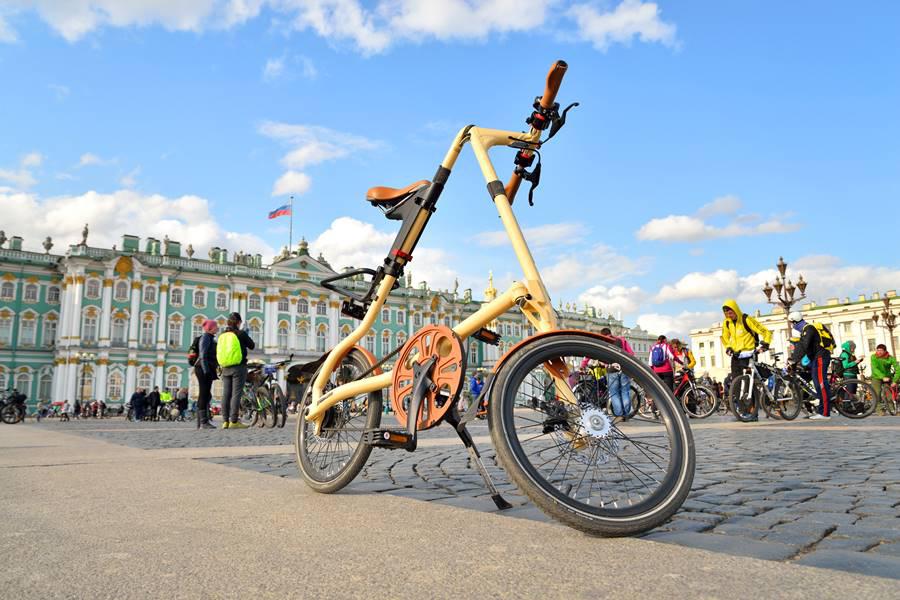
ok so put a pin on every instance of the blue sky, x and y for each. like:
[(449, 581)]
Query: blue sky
[(711, 138)]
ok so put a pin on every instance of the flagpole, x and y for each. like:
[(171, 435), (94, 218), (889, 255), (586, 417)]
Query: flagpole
[(291, 227)]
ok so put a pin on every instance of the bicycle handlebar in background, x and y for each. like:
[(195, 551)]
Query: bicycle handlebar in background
[(551, 88)]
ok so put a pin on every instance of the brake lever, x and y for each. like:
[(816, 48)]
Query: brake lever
[(558, 123)]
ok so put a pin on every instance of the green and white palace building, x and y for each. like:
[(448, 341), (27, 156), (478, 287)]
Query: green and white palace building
[(99, 323)]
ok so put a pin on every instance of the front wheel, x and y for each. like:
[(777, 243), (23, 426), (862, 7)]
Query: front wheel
[(699, 402), (332, 458), (740, 398), (280, 403), (9, 414), (575, 460), (854, 399), (787, 399)]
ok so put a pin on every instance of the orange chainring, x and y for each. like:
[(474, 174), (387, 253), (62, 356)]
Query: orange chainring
[(448, 375)]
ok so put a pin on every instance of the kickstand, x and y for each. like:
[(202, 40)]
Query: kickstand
[(452, 418)]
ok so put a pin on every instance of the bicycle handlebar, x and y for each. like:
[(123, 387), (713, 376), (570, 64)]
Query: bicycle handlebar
[(551, 88)]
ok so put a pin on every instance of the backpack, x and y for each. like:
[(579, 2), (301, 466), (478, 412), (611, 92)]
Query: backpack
[(658, 356), (750, 331), (194, 351), (826, 340), (228, 350)]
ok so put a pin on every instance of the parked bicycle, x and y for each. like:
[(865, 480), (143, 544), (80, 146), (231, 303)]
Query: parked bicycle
[(12, 407), (852, 398), (264, 402), (890, 397), (762, 385), (698, 401), (567, 455)]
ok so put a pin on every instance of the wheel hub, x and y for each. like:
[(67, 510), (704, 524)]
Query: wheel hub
[(596, 423)]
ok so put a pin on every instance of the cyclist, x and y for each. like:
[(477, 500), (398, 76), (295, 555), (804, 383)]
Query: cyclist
[(849, 364), (661, 358), (817, 344), (687, 358), (884, 366), (741, 335)]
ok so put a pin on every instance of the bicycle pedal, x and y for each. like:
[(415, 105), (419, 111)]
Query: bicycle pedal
[(390, 438)]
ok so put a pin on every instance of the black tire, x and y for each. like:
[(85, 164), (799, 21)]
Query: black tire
[(787, 399), (854, 405), (887, 397), (324, 464), (740, 398), (280, 403), (248, 412), (594, 440), (9, 414), (704, 401)]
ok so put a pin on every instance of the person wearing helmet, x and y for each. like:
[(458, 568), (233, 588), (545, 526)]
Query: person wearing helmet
[(816, 343)]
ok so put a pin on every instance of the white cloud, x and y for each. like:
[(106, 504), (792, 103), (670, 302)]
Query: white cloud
[(274, 69), (292, 182), (630, 19), (22, 177), (600, 265), (615, 300), (723, 205), (89, 159), (719, 284), (32, 159), (678, 325), (681, 228), (349, 242), (188, 219), (543, 235), (312, 144), (370, 27), (130, 179)]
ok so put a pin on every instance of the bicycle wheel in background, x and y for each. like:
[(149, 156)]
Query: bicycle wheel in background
[(740, 398), (280, 403), (332, 458), (786, 399), (703, 400), (9, 414), (248, 412), (854, 398), (268, 416), (574, 460), (890, 401), (637, 399)]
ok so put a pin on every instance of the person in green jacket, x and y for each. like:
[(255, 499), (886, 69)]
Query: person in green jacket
[(884, 366), (849, 361)]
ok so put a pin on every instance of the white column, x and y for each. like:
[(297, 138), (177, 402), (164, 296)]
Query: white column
[(292, 334), (333, 322), (65, 314), (130, 378), (72, 392), (270, 320), (77, 297), (134, 322), (100, 378), (162, 326), (59, 381), (158, 374), (106, 309)]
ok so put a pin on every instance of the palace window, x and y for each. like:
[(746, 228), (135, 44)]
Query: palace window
[(23, 383), (199, 298), (173, 380), (7, 291), (27, 330), (321, 339), (53, 294), (302, 336), (417, 320), (148, 325), (345, 331), (92, 288), (370, 342), (175, 331), (176, 297), (473, 353), (385, 315), (254, 303), (50, 332), (89, 329), (86, 384), (303, 306), (401, 339), (256, 333), (45, 387), (321, 307), (145, 379), (432, 319), (31, 292), (150, 294), (385, 341), (196, 329), (2, 380), (121, 291), (221, 301), (119, 331), (284, 305), (446, 321), (114, 388), (401, 317), (283, 337), (5, 331)]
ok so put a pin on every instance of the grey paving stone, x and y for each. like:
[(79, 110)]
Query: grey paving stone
[(687, 525), (888, 549), (873, 533), (795, 538), (886, 522), (741, 531), (729, 545), (829, 518), (851, 544), (866, 563)]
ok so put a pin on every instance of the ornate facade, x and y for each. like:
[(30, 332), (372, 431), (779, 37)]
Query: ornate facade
[(98, 323)]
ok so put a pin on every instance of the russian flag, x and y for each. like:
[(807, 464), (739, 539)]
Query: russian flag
[(281, 211)]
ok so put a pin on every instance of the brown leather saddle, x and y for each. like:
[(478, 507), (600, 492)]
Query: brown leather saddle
[(388, 198)]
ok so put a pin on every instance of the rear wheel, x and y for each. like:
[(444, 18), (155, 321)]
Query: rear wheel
[(699, 402), (787, 400), (267, 407), (9, 414), (574, 460), (280, 403), (249, 413), (890, 401), (331, 459), (855, 399)]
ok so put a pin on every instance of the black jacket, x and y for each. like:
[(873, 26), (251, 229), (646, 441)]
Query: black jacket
[(153, 398), (809, 345), (206, 359)]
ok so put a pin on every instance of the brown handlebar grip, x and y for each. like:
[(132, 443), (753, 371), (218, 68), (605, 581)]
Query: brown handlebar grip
[(554, 80)]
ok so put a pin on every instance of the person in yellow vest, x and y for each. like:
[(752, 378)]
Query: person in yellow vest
[(231, 354), (816, 343), (683, 352)]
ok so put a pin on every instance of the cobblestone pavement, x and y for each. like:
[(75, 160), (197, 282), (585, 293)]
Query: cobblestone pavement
[(825, 495)]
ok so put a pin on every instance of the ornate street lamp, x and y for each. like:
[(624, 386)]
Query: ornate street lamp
[(84, 358), (888, 320), (786, 292)]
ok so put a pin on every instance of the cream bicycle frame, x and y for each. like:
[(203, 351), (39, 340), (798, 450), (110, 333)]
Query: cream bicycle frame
[(529, 295)]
